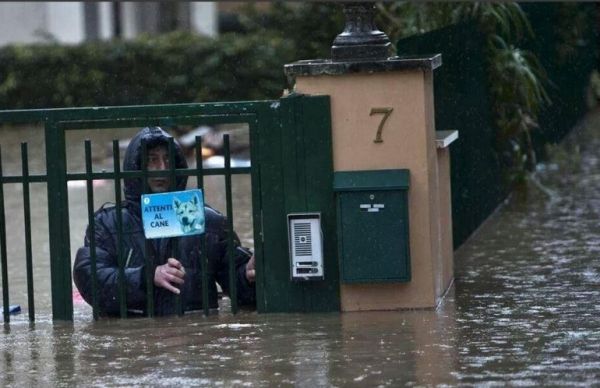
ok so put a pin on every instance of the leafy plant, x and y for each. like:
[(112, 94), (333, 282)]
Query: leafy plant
[(311, 26), (517, 80), (519, 94), (571, 29)]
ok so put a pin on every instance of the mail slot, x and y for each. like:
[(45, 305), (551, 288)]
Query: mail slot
[(373, 225)]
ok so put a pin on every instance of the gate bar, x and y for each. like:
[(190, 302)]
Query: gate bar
[(119, 209), (27, 220), (5, 300), (174, 241), (91, 227), (228, 199), (203, 253), (149, 260)]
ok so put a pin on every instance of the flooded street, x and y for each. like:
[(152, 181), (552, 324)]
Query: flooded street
[(523, 309)]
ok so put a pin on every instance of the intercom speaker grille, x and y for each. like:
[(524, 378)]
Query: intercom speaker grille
[(302, 239)]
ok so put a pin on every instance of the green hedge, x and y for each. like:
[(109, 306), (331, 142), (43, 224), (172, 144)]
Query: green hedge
[(174, 68)]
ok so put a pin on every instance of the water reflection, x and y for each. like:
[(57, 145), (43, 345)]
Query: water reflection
[(527, 285), (387, 348), (522, 312)]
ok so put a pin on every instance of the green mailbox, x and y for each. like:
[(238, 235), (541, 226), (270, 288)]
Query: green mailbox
[(373, 225)]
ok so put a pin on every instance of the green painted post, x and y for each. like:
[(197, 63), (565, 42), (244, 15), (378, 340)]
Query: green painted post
[(58, 223), (296, 175), (273, 284), (294, 185), (264, 115), (315, 118)]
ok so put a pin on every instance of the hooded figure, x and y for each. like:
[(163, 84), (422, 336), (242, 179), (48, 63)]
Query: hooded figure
[(142, 269)]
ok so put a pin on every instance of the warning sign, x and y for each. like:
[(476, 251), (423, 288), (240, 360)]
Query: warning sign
[(173, 214)]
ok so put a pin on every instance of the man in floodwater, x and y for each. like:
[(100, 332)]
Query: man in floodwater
[(173, 273)]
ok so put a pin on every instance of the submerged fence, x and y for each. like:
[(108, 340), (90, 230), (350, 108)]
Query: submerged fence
[(57, 177), (25, 179), (291, 172)]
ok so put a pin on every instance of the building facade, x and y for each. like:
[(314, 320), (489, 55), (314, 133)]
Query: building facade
[(76, 22)]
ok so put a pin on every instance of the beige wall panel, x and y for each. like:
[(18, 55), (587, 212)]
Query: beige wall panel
[(434, 199), (408, 142), (446, 246), (392, 296), (352, 97)]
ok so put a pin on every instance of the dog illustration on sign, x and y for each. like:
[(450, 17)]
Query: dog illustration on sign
[(188, 214)]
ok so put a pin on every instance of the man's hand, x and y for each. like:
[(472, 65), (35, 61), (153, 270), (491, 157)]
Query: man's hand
[(168, 274), (250, 271)]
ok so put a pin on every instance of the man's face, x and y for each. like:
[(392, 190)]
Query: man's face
[(158, 159)]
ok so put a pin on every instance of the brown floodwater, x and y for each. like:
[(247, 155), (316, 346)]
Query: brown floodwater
[(523, 309)]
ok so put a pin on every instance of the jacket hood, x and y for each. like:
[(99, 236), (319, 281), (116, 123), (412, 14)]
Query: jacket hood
[(154, 136)]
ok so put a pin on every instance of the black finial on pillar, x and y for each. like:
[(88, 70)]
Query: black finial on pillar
[(360, 48), (360, 40)]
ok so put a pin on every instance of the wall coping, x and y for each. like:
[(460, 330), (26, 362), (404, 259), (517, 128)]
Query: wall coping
[(312, 67)]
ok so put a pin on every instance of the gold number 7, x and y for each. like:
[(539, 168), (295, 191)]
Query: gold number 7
[(386, 113)]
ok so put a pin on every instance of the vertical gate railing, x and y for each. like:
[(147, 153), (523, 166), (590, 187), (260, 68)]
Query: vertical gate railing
[(171, 174), (57, 122), (25, 180), (3, 250)]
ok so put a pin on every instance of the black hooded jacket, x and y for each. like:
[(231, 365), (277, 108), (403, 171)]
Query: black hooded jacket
[(185, 249)]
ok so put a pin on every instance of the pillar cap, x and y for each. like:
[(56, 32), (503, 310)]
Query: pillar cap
[(313, 67)]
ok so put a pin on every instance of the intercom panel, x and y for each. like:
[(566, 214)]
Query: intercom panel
[(306, 246)]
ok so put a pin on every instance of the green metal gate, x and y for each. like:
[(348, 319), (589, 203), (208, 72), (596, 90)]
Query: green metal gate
[(291, 159)]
